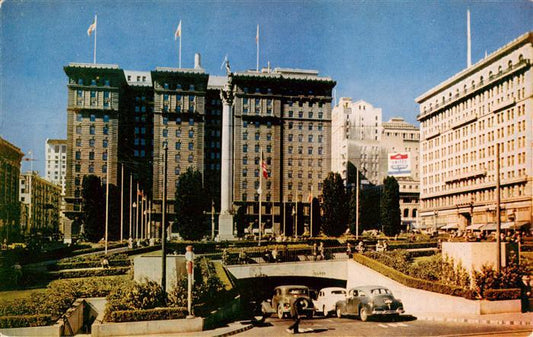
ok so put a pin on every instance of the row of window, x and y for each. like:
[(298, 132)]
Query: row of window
[(178, 133), (309, 150), (178, 86), (310, 126), (310, 114), (90, 168), (94, 82), (92, 118), (257, 148), (92, 142), (91, 155), (310, 138)]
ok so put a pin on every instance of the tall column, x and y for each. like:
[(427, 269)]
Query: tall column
[(225, 220)]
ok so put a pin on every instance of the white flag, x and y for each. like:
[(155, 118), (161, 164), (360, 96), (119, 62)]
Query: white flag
[(178, 32), (92, 27)]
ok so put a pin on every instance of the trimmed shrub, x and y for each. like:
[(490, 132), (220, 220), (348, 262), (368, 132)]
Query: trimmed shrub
[(135, 296), (411, 281), (89, 264), (146, 315), (62, 274), (25, 321), (502, 294)]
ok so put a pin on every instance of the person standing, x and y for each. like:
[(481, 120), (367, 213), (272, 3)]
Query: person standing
[(321, 251), (525, 293)]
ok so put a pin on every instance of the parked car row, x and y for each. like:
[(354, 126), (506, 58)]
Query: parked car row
[(363, 301)]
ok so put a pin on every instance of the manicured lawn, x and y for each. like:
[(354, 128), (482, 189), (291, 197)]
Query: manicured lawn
[(19, 294)]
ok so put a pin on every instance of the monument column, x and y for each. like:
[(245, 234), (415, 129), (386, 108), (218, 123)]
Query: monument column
[(225, 219)]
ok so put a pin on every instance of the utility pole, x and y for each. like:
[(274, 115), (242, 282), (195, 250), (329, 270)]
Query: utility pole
[(164, 223), (498, 220)]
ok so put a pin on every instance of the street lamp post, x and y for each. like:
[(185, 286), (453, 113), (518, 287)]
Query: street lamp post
[(134, 206), (164, 222)]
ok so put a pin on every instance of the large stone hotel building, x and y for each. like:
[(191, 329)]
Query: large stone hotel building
[(124, 118), (463, 120)]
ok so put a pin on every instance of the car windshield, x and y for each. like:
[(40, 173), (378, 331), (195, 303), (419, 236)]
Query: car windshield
[(298, 291), (338, 292), (380, 291)]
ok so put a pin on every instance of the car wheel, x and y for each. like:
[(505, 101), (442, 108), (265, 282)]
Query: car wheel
[(363, 314), (338, 311), (280, 311), (324, 312)]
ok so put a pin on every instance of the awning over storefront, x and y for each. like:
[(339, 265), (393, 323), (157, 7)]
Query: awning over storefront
[(450, 226), (511, 225), (474, 227)]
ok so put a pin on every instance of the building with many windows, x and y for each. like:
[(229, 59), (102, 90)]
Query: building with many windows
[(132, 115), (10, 159), (41, 204), (360, 138), (56, 161), (473, 125)]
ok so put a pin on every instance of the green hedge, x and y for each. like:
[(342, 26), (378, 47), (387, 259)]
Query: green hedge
[(25, 321), (411, 281), (146, 315), (90, 272), (411, 245), (88, 264), (501, 294)]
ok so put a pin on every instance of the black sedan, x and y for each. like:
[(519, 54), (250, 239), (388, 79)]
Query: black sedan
[(369, 301)]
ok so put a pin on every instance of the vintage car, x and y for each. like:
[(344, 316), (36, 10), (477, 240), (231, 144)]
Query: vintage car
[(327, 298), (369, 301), (284, 299)]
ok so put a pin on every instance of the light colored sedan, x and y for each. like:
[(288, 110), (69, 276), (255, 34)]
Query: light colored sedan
[(327, 298)]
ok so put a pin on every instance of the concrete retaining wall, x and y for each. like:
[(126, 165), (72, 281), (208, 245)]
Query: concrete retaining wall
[(473, 255), (150, 267), (39, 331), (147, 327), (422, 301)]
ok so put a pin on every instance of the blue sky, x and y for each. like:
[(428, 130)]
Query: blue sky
[(385, 52)]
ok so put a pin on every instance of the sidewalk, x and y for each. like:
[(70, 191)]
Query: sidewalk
[(228, 330), (498, 319)]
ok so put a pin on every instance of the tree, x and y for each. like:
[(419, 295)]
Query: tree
[(390, 206), (370, 207), (93, 208), (335, 205), (191, 203)]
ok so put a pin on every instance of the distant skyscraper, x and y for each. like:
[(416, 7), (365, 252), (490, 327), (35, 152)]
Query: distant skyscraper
[(463, 121), (361, 138), (56, 162)]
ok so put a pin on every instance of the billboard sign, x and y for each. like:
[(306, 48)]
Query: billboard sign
[(399, 164)]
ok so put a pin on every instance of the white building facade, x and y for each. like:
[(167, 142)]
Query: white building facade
[(463, 120), (360, 137), (56, 162)]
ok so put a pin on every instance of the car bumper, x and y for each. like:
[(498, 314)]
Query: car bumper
[(388, 312)]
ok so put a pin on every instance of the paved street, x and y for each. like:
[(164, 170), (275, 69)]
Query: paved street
[(406, 326)]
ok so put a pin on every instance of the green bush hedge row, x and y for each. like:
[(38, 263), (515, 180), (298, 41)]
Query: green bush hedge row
[(62, 274), (88, 264), (146, 315), (411, 245), (411, 281), (501, 294), (25, 321)]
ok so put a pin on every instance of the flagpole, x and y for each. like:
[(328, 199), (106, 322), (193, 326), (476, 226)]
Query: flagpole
[(137, 215), (311, 215), (106, 200), (131, 206), (180, 53), (260, 192), (122, 203), (257, 45), (95, 31)]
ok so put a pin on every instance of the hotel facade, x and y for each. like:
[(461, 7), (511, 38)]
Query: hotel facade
[(463, 121), (120, 119)]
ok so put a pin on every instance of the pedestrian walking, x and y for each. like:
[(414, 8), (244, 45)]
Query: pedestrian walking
[(349, 250), (297, 306), (525, 293), (321, 251), (314, 251)]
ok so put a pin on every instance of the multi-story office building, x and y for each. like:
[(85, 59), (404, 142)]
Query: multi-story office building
[(401, 141), (41, 204), (10, 159), (356, 138), (56, 161), (464, 120), (362, 139), (285, 113)]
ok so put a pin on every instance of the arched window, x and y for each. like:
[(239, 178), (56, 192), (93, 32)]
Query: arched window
[(414, 213), (406, 213)]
